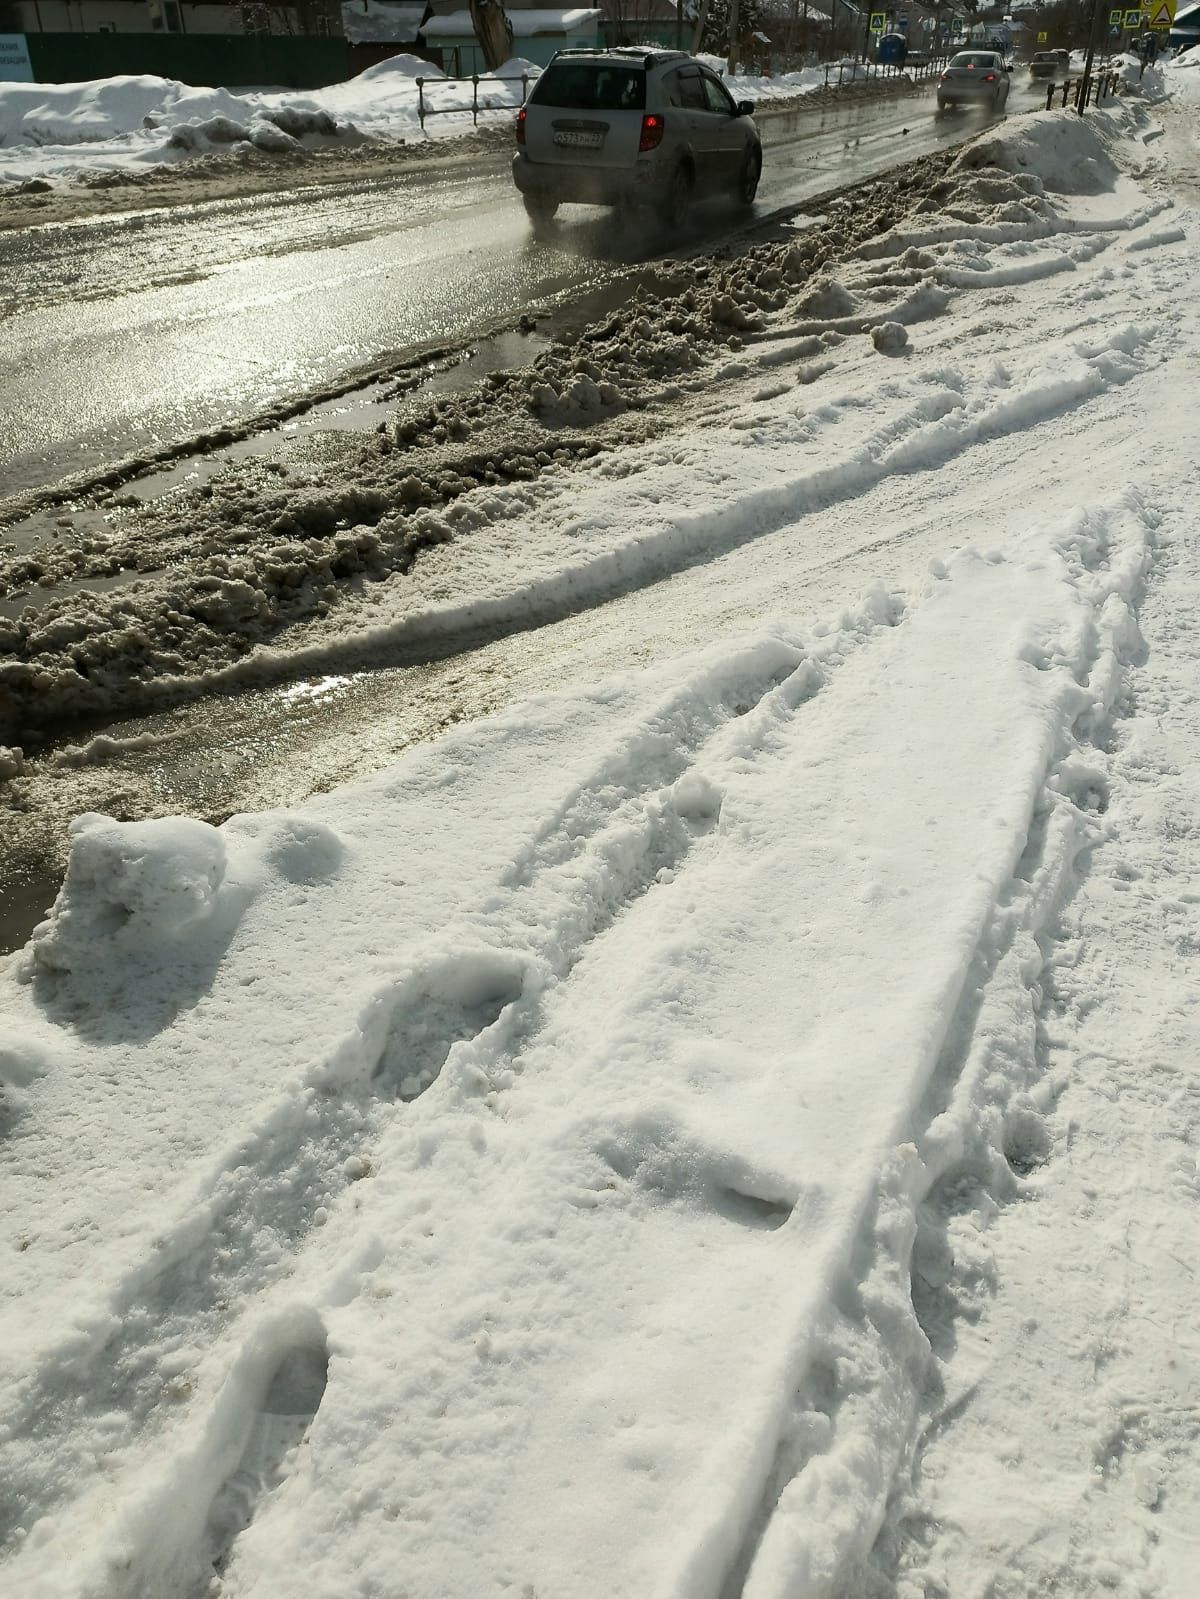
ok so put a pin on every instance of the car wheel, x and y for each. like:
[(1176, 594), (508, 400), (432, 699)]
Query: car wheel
[(751, 172), (539, 207), (679, 198)]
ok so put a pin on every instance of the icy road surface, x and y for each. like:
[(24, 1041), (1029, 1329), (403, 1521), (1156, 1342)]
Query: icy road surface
[(124, 333), (728, 1126)]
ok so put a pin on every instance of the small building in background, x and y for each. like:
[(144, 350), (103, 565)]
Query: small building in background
[(449, 36), (376, 30)]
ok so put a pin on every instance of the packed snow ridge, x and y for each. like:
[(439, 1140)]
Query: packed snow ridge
[(724, 1130)]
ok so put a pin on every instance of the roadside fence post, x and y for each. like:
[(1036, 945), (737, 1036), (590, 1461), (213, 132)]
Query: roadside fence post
[(421, 101), (475, 98), (1050, 94)]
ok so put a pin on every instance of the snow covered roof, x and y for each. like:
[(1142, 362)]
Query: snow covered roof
[(381, 21), (526, 24)]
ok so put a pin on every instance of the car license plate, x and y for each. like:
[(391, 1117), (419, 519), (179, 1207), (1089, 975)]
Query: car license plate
[(579, 141)]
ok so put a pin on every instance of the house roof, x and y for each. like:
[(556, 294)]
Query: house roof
[(526, 24)]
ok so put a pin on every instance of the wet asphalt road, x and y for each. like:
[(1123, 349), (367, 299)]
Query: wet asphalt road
[(125, 333)]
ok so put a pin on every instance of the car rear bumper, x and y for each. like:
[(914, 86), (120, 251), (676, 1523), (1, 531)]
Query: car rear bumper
[(567, 185), (967, 93)]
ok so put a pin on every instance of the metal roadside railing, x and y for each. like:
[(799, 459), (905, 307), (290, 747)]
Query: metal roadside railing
[(846, 75), (425, 110), (869, 74), (1084, 91)]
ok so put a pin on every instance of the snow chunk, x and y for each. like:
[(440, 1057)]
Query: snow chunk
[(129, 885), (889, 338), (12, 761)]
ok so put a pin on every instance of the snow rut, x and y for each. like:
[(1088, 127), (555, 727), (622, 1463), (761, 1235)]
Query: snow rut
[(882, 1381)]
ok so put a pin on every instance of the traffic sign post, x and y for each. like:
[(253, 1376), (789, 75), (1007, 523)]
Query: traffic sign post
[(1086, 85)]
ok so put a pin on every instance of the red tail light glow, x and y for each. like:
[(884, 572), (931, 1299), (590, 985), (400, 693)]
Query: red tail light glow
[(653, 129), (991, 78), (521, 126)]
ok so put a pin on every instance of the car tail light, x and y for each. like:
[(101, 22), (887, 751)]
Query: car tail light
[(991, 78), (653, 129), (521, 126)]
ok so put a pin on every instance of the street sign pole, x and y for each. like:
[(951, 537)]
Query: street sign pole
[(1085, 87)]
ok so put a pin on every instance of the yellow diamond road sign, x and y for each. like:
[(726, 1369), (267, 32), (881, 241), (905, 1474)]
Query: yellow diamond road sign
[(1161, 13)]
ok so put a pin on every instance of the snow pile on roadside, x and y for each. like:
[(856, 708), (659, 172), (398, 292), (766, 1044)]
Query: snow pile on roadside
[(49, 130), (637, 1133), (1061, 151)]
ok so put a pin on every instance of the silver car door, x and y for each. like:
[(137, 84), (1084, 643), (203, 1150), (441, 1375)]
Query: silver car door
[(728, 132)]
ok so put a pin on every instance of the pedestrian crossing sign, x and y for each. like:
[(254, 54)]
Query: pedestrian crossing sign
[(1116, 18), (878, 18), (1133, 19)]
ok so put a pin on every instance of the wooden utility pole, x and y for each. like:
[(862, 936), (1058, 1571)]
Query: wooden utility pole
[(732, 61)]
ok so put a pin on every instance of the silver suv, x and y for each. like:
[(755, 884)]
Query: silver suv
[(652, 128)]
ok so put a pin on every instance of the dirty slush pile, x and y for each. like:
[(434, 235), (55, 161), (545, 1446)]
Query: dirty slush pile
[(266, 551)]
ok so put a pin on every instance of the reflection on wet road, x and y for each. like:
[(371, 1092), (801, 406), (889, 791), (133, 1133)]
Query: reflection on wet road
[(127, 332)]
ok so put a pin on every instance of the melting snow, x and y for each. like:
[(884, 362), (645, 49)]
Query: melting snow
[(725, 1130)]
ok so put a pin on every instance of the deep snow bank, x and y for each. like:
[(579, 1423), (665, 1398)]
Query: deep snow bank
[(49, 130)]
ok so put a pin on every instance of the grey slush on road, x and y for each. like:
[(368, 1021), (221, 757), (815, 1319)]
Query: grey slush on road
[(973, 77), (633, 128)]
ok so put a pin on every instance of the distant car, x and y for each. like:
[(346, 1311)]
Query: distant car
[(917, 58), (973, 77), (1050, 63), (635, 127)]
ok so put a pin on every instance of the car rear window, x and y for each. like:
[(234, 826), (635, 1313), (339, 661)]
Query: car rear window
[(975, 58), (591, 86)]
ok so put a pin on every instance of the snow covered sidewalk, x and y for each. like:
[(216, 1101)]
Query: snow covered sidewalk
[(639, 1143)]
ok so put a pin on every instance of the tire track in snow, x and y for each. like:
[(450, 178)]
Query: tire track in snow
[(625, 826), (852, 1424)]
